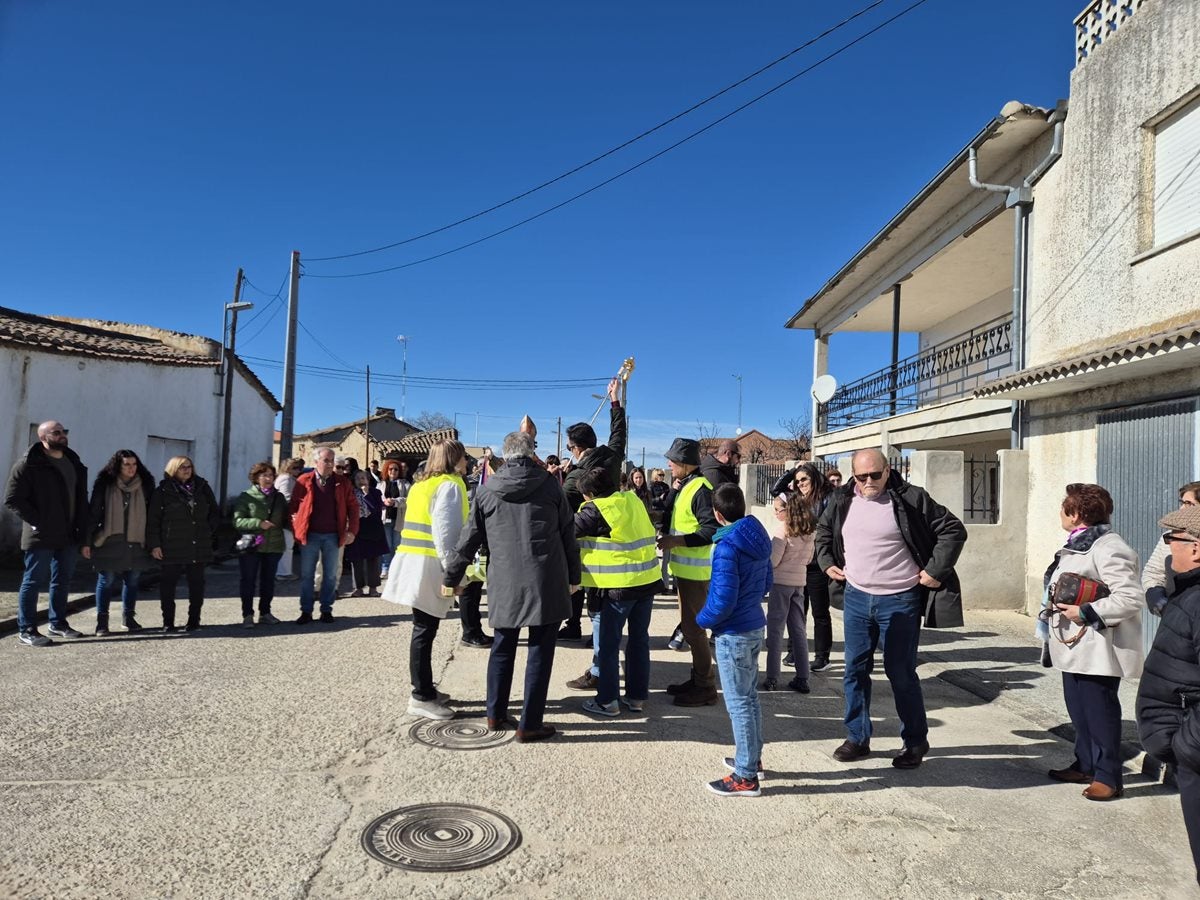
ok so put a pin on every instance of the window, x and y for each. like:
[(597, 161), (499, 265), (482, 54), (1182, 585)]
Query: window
[(1177, 175)]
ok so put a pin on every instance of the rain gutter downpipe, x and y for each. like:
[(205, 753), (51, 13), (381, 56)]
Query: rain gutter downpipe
[(1020, 199)]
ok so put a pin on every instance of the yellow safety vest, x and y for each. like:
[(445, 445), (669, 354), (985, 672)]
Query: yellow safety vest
[(626, 558), (690, 563), (417, 535)]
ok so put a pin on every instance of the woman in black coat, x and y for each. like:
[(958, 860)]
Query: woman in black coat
[(182, 521), (116, 537)]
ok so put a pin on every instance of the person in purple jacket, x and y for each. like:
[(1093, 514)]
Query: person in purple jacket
[(741, 576)]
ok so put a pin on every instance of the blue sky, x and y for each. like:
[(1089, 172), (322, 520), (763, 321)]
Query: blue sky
[(153, 148)]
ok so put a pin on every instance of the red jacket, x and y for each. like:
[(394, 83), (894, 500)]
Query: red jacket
[(345, 501)]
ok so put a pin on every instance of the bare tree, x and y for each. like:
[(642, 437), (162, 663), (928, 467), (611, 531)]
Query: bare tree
[(707, 432), (799, 436), (432, 421)]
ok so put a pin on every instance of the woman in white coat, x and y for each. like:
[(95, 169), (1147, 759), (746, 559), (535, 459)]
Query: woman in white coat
[(436, 512), (1095, 643)]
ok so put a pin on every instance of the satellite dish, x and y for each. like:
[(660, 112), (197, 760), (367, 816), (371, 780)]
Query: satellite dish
[(824, 388)]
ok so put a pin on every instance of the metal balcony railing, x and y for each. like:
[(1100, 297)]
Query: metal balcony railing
[(943, 372)]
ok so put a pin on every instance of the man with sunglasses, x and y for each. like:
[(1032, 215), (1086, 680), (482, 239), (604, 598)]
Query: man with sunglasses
[(891, 544), (1157, 579), (48, 491)]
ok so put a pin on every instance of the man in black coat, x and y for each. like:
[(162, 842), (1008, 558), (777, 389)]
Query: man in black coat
[(720, 467), (1167, 719), (48, 491)]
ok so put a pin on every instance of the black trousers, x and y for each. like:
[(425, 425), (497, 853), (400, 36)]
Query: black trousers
[(468, 607), (502, 662), (169, 580), (366, 572), (420, 655), (816, 585), (577, 601), (1189, 799), (260, 568), (1095, 710)]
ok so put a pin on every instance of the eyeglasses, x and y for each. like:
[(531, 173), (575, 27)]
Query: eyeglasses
[(803, 479), (1170, 539), (341, 468), (186, 466), (864, 477)]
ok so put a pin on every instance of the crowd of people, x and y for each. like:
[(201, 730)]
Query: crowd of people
[(553, 538)]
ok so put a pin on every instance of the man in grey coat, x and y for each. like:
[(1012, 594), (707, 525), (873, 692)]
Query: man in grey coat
[(522, 514)]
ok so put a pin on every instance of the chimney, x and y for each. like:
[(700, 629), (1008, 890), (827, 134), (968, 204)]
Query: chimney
[(385, 411)]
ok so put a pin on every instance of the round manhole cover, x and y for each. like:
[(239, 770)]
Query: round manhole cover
[(441, 837), (458, 734)]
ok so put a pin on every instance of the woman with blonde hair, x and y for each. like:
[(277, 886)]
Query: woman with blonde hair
[(181, 522), (434, 518)]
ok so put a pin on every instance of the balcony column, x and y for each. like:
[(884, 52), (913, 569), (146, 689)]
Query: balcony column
[(895, 347), (820, 367)]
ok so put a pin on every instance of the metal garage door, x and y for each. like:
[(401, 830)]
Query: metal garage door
[(1144, 453)]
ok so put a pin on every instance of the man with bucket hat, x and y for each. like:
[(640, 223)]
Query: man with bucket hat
[(689, 526)]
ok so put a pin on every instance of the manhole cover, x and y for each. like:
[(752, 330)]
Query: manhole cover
[(458, 734), (441, 837)]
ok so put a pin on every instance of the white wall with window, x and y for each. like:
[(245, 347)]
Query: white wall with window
[(1177, 175)]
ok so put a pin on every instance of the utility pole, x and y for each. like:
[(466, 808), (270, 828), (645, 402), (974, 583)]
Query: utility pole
[(403, 339), (739, 381), (367, 423), (558, 448), (289, 361), (231, 310)]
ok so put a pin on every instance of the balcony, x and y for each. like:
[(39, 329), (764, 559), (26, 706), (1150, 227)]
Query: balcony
[(945, 371), (1099, 21)]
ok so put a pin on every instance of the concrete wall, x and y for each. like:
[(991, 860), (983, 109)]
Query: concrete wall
[(111, 405), (1092, 211), (967, 420)]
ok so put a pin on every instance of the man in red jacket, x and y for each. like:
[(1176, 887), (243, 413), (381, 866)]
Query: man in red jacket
[(324, 518)]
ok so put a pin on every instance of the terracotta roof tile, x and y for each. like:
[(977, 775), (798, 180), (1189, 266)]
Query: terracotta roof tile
[(419, 443)]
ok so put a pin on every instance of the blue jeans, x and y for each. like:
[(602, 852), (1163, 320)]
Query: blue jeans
[(325, 546), (389, 535), (893, 621), (42, 566), (106, 581), (737, 661), (595, 669), (636, 610)]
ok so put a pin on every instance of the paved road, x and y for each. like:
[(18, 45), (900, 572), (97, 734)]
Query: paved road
[(236, 763)]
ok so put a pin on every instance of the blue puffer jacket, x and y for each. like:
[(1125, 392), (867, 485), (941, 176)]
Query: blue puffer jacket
[(741, 576)]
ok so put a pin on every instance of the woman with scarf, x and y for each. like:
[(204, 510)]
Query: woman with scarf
[(370, 545), (1094, 643), (261, 511), (116, 542), (393, 488), (180, 525)]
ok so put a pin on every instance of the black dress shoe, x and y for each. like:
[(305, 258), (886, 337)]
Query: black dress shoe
[(535, 734), (851, 752), (567, 633), (304, 619), (326, 616), (1070, 775), (477, 639), (501, 724), (910, 757)]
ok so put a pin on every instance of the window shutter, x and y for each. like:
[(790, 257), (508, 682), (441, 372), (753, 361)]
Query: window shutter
[(1177, 175)]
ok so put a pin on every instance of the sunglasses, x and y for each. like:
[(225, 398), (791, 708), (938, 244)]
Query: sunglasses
[(864, 477), (59, 431), (1170, 539)]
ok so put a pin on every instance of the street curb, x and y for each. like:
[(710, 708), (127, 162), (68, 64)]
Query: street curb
[(10, 625)]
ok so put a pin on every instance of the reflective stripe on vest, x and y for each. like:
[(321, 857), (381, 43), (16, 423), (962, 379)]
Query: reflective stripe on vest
[(417, 535), (627, 557), (692, 563)]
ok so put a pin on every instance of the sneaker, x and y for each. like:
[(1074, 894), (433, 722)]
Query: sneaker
[(477, 639), (63, 630), (769, 684), (729, 764), (305, 618), (585, 682), (33, 638), (596, 708), (327, 615), (247, 621), (800, 684), (429, 709), (790, 659), (636, 706), (679, 644), (267, 619), (820, 664), (168, 629), (733, 786)]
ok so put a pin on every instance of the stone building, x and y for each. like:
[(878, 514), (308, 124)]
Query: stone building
[(360, 439)]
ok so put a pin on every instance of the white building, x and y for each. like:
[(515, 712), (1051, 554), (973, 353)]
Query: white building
[(118, 386)]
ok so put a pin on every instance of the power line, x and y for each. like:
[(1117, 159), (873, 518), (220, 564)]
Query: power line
[(638, 165), (278, 306), (393, 381), (424, 381), (616, 149), (328, 352)]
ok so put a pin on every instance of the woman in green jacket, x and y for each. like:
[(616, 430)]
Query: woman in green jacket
[(260, 514)]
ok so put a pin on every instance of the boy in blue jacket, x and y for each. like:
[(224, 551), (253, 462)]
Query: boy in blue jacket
[(741, 576)]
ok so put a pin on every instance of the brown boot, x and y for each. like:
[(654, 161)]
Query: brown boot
[(697, 696)]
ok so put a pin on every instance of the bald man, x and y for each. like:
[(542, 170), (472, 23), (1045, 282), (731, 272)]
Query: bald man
[(47, 489), (891, 544), (720, 467)]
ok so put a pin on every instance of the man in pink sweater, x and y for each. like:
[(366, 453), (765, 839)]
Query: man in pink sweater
[(891, 544)]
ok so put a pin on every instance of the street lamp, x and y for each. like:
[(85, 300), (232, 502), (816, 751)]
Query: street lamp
[(231, 314), (739, 381), (403, 339)]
